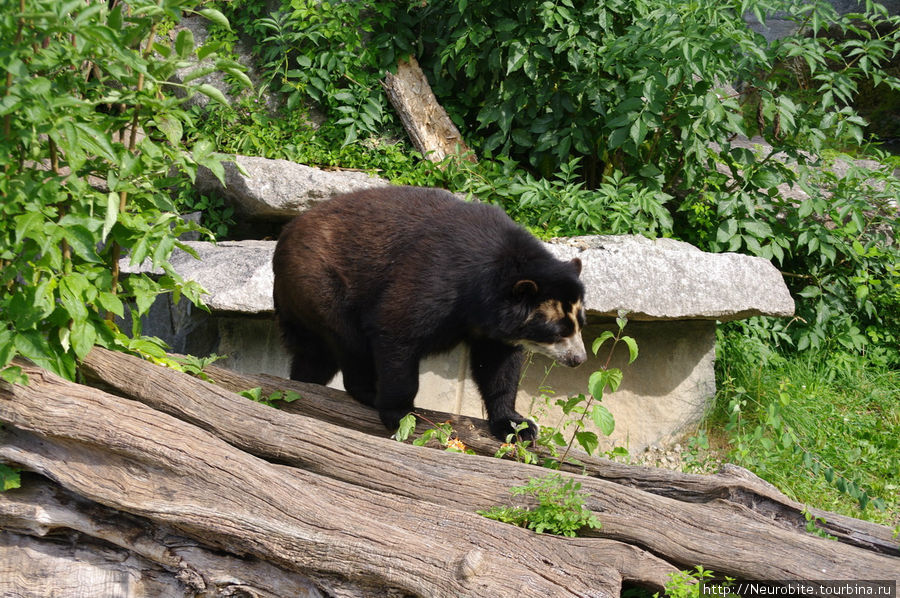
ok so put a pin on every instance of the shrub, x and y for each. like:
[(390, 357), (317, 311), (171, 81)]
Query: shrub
[(80, 188), (631, 102)]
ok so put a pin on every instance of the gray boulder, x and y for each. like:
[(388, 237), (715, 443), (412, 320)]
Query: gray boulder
[(664, 279), (261, 188)]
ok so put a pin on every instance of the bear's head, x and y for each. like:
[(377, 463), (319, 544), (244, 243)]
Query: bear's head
[(550, 304)]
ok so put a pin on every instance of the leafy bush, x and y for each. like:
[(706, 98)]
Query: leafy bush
[(636, 95), (80, 186), (623, 117), (311, 51)]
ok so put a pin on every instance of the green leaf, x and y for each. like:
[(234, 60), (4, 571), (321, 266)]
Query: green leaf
[(216, 17), (757, 228), (613, 379), (82, 241), (112, 214), (29, 225), (238, 74), (112, 303), (97, 141), (603, 419), (632, 348), (7, 349), (71, 294), (727, 230), (766, 178), (171, 127), (618, 137), (598, 342), (407, 427), (213, 93), (638, 131), (588, 441), (83, 337), (517, 55), (9, 478), (597, 383), (184, 43)]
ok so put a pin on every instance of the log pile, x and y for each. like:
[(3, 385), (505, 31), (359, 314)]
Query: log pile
[(148, 482)]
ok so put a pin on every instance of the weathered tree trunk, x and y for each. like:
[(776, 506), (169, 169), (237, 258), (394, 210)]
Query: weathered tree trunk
[(194, 482), (427, 124)]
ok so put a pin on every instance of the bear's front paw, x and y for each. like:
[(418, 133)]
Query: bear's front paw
[(504, 426), (391, 417)]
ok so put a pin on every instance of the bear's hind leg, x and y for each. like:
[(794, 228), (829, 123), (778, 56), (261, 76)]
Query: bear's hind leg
[(311, 359), (358, 371), (496, 368), (397, 373)]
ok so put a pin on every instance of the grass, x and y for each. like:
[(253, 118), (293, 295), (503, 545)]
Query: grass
[(824, 427)]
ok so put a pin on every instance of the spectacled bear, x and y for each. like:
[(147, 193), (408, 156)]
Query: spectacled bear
[(372, 281)]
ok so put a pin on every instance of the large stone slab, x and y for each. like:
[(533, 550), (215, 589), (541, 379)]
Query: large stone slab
[(658, 279), (261, 188), (664, 279)]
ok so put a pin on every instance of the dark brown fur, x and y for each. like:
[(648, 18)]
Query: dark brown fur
[(371, 282)]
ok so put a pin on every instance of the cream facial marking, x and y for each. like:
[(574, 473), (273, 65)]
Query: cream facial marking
[(577, 309), (568, 351), (551, 309)]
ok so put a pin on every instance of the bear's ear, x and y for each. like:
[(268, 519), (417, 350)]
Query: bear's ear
[(577, 263), (524, 288)]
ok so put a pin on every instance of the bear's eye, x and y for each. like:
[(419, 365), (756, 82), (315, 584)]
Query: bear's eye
[(557, 319)]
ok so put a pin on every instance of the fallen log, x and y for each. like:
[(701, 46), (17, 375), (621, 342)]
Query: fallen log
[(732, 484), (331, 503), (50, 535), (429, 128), (135, 459)]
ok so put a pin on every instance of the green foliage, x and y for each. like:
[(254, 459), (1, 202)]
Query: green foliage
[(314, 52), (684, 584), (194, 366), (560, 508), (216, 214), (248, 128), (9, 478), (837, 250), (575, 410), (272, 400), (79, 189), (632, 86), (822, 427), (562, 205), (442, 433), (620, 110)]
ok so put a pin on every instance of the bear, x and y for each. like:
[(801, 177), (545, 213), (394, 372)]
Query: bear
[(372, 281)]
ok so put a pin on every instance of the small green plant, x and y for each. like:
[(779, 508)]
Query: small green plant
[(443, 433), (9, 478), (518, 449), (272, 400), (686, 584), (194, 366), (216, 215), (560, 509), (575, 410), (812, 525)]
